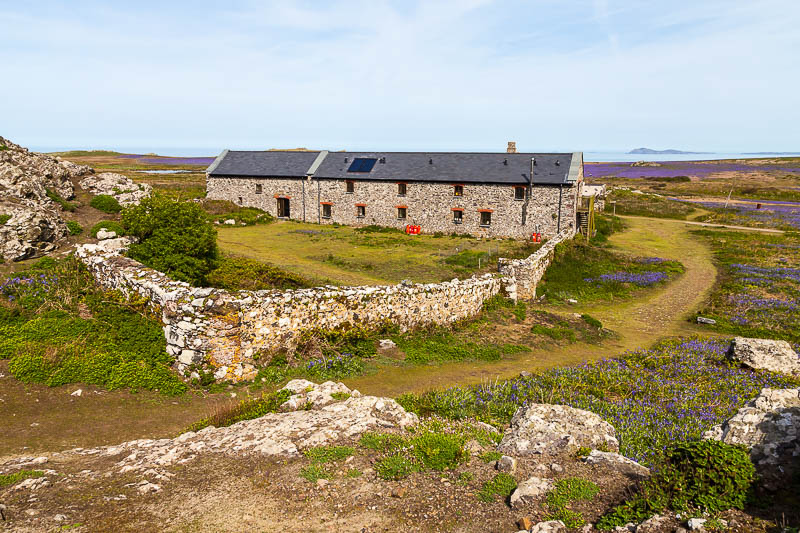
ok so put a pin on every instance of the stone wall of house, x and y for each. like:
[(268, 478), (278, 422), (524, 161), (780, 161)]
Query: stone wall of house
[(223, 332), (429, 205)]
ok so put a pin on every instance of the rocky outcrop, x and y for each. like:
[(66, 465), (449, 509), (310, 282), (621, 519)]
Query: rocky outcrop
[(770, 427), (125, 190), (32, 221), (274, 434), (529, 491), (765, 354), (551, 429)]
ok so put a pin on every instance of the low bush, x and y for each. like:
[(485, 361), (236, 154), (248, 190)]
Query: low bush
[(705, 475), (247, 409), (565, 492), (647, 205), (74, 228), (4, 219), (173, 237), (490, 456), (441, 344), (372, 228), (108, 225), (313, 473), (500, 485), (221, 210), (592, 321), (106, 203), (329, 454), (394, 467), (554, 332)]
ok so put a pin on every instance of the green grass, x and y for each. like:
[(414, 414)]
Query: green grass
[(4, 219), (329, 454), (341, 255), (247, 409), (490, 456), (758, 287), (439, 345), (646, 205), (500, 485), (241, 273), (74, 228), (566, 492), (65, 205), (16, 477), (313, 473), (554, 332), (58, 327), (577, 268)]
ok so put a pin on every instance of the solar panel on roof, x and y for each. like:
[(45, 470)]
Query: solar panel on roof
[(362, 164)]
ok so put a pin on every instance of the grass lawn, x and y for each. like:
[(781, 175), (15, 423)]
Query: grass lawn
[(366, 256)]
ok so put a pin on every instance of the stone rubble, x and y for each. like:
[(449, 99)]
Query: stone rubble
[(551, 429), (769, 426), (274, 434), (530, 490), (35, 225), (551, 526), (125, 190), (765, 354)]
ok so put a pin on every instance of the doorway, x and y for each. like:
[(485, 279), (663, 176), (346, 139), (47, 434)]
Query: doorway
[(283, 208)]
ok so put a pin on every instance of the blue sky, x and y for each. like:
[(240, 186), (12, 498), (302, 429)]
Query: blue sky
[(402, 75)]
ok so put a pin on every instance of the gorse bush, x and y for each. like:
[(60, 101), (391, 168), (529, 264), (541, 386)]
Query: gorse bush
[(704, 475), (106, 203), (108, 225), (58, 327), (174, 238)]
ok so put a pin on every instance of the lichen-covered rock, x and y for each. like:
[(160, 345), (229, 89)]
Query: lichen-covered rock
[(274, 434), (551, 526), (125, 190), (34, 224), (617, 462), (550, 429), (529, 491), (770, 427), (765, 354), (309, 395), (654, 524)]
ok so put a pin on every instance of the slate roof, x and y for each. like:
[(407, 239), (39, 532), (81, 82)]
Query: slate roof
[(448, 167), (263, 163)]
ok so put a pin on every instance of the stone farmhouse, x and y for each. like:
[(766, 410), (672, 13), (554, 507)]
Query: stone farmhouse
[(483, 194)]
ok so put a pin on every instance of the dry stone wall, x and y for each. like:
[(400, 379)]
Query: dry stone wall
[(527, 273), (223, 332), (429, 205)]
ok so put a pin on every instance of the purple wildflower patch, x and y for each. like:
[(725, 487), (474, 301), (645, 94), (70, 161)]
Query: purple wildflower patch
[(642, 279), (672, 169)]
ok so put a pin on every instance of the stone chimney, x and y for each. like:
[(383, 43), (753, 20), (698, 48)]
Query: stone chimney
[(512, 147)]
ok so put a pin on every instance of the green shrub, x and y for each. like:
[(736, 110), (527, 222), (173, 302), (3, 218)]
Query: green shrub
[(705, 475), (372, 228), (4, 219), (174, 238), (520, 311), (592, 321), (565, 492), (554, 332), (74, 228), (394, 467), (108, 225), (106, 204), (382, 442), (16, 477), (222, 210), (340, 396), (500, 485), (438, 451)]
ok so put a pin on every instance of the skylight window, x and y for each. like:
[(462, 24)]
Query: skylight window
[(362, 164)]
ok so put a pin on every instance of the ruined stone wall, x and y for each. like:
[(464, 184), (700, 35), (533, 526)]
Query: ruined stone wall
[(525, 274), (429, 205), (222, 332)]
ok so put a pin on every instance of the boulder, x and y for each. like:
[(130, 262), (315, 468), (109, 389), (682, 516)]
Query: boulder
[(103, 234), (769, 427), (765, 354), (551, 429), (125, 190), (529, 491), (617, 462), (551, 526), (309, 395), (654, 524)]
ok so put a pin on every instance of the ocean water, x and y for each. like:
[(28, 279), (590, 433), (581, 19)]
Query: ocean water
[(593, 157)]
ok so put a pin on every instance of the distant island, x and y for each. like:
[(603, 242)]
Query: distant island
[(771, 153), (651, 151)]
